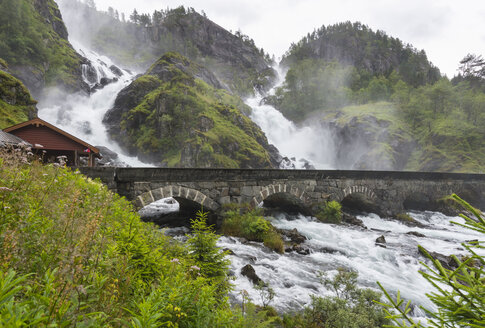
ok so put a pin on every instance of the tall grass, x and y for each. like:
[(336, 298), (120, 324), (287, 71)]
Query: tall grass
[(73, 254)]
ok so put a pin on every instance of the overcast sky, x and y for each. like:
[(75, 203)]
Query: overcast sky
[(446, 29)]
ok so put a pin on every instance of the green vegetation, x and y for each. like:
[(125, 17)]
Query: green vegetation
[(330, 212), (179, 120), (16, 103), (351, 306), (389, 95), (73, 254), (459, 294), (250, 224), (33, 40)]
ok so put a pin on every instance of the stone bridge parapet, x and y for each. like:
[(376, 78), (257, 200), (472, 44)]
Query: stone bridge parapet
[(392, 192)]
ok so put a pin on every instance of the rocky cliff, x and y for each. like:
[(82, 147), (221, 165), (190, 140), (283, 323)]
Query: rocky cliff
[(16, 103), (176, 115), (233, 58), (34, 44)]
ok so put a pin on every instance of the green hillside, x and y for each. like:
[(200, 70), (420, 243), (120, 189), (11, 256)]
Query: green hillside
[(408, 116), (16, 103), (33, 41), (175, 116)]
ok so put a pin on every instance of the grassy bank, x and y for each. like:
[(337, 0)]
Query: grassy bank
[(74, 254)]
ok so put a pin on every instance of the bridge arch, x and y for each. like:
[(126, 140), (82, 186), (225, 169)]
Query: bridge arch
[(177, 192), (359, 198), (269, 190), (367, 192)]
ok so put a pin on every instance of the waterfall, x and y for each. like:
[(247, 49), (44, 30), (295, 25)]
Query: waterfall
[(82, 115), (298, 143)]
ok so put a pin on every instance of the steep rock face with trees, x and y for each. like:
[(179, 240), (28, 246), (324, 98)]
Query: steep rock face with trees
[(376, 53), (385, 104), (177, 116), (137, 41), (33, 41), (16, 103)]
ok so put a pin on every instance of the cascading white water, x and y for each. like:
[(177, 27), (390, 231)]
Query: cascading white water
[(82, 115), (294, 277), (301, 143)]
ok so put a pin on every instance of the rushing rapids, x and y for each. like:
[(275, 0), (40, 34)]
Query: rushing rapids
[(295, 277)]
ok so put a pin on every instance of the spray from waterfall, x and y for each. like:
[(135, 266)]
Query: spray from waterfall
[(82, 115), (303, 146)]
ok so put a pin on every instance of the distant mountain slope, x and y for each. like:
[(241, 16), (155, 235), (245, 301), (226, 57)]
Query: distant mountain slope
[(357, 45), (33, 41), (175, 115), (138, 42), (385, 104), (16, 103)]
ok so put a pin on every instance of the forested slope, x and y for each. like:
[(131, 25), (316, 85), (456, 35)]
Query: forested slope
[(403, 114)]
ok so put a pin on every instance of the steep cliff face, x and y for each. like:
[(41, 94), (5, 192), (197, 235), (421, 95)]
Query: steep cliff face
[(177, 116), (16, 103), (34, 44), (233, 58)]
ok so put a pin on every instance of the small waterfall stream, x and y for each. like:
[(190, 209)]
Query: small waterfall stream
[(82, 115)]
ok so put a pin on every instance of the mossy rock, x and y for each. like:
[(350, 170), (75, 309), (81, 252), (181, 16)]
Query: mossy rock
[(16, 103), (176, 116)]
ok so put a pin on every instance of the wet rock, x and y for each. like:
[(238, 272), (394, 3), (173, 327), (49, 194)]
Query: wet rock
[(300, 250), (306, 164), (229, 251), (415, 233), (408, 220), (109, 158), (353, 220), (288, 284), (115, 70), (90, 73), (294, 235), (248, 272), (381, 241), (328, 250), (446, 261)]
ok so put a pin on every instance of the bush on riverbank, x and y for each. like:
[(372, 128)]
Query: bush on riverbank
[(351, 307), (249, 223), (330, 212), (74, 254)]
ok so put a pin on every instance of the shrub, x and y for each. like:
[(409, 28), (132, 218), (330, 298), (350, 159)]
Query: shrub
[(350, 307), (330, 212), (248, 223), (274, 241)]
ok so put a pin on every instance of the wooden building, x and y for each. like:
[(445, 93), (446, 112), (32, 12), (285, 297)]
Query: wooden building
[(51, 142)]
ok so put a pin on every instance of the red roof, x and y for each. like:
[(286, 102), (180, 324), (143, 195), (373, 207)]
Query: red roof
[(44, 135)]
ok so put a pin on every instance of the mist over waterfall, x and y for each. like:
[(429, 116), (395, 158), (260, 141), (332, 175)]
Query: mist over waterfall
[(82, 115), (299, 144)]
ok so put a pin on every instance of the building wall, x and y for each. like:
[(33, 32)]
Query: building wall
[(48, 138)]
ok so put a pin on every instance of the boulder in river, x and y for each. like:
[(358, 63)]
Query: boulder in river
[(381, 241), (249, 272)]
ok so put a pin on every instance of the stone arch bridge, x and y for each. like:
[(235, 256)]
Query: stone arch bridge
[(390, 192)]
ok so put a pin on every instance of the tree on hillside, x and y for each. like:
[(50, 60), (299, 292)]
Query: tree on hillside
[(134, 17), (472, 69)]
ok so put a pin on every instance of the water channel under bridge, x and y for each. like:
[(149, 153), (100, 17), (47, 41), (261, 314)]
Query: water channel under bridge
[(389, 191)]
